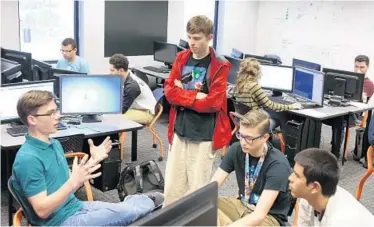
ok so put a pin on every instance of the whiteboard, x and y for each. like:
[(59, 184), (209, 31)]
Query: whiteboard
[(329, 33)]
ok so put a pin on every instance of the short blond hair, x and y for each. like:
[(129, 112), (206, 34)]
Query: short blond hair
[(256, 119), (31, 101), (249, 72), (199, 24)]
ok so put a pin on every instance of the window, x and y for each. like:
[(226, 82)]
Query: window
[(44, 24)]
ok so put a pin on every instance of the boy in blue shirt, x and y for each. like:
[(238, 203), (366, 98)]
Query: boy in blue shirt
[(71, 60), (41, 173)]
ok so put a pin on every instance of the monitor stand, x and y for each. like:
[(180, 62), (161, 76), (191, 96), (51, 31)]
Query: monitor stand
[(277, 93), (91, 118)]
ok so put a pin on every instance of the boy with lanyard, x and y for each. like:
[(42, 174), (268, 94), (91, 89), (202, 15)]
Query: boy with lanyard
[(261, 172)]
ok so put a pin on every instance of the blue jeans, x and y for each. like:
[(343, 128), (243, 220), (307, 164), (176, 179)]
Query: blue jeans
[(277, 119), (99, 213)]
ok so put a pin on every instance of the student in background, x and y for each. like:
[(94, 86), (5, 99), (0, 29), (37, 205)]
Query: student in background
[(250, 93), (138, 100), (321, 201), (261, 172), (362, 66), (71, 60), (198, 121), (42, 175)]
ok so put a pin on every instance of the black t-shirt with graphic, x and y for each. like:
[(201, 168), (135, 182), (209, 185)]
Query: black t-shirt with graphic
[(273, 176), (189, 123)]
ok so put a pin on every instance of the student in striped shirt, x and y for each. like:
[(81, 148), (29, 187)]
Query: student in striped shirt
[(249, 92)]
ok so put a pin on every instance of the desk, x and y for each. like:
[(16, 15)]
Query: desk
[(111, 124), (162, 76)]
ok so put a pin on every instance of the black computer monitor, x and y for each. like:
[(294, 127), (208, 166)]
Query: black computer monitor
[(55, 74), (164, 52), (10, 93), (196, 209), (309, 84), (89, 95), (237, 53), (41, 70), (354, 83), (262, 60), (184, 44), (306, 64), (10, 71), (22, 58), (235, 62), (277, 77)]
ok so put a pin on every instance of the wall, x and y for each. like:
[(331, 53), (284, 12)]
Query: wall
[(92, 29), (9, 25)]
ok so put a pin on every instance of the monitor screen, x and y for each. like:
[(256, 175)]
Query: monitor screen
[(237, 53), (22, 58), (262, 60), (309, 84), (164, 52), (10, 94), (279, 78), (9, 70), (91, 94), (306, 64), (235, 62)]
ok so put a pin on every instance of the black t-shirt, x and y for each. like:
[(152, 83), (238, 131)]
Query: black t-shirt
[(189, 123), (273, 176)]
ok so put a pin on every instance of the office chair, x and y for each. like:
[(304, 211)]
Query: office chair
[(367, 174), (158, 112), (141, 75), (26, 209), (72, 143)]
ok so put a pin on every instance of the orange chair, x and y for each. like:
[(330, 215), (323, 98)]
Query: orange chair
[(362, 124), (236, 128), (158, 110), (367, 174), (26, 210)]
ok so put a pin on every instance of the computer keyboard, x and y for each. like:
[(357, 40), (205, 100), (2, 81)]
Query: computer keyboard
[(21, 130), (156, 69), (281, 100)]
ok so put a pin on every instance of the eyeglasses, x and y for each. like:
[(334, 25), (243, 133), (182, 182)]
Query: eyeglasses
[(52, 114), (65, 51), (248, 139)]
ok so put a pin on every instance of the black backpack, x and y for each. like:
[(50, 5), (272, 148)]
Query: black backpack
[(140, 178)]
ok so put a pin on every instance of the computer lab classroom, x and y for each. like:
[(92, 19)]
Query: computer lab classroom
[(306, 49)]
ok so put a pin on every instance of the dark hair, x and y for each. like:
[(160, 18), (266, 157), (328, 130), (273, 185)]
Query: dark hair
[(362, 58), (119, 61), (69, 41), (321, 166)]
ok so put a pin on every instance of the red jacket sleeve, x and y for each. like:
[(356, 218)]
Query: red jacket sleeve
[(217, 93), (174, 94)]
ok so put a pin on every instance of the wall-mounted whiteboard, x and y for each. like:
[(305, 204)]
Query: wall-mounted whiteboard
[(329, 33)]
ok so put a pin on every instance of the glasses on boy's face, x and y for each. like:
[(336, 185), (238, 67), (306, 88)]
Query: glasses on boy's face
[(66, 51), (52, 114), (248, 139)]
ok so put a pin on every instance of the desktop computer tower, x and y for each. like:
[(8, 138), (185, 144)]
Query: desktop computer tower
[(294, 130)]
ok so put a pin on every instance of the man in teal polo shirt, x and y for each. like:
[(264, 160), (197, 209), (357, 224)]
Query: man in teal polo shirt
[(41, 173), (71, 61)]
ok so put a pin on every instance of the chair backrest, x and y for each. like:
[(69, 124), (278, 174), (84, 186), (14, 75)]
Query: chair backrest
[(72, 143), (240, 107), (31, 216), (141, 75)]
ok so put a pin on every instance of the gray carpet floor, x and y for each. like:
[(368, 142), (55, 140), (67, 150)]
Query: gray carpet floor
[(351, 172)]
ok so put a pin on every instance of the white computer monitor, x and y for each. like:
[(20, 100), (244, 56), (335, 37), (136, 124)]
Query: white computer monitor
[(10, 94), (309, 84), (90, 95), (277, 77)]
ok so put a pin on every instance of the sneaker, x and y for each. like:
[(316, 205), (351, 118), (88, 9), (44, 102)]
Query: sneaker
[(157, 198)]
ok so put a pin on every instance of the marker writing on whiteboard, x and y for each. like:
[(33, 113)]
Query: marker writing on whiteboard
[(287, 14)]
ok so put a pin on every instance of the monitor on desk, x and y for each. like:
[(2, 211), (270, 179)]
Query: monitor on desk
[(353, 84), (10, 94), (196, 209), (237, 53), (41, 70), (235, 62), (308, 84), (262, 60), (165, 52), (89, 95), (277, 78), (10, 71), (305, 64), (23, 58), (184, 44)]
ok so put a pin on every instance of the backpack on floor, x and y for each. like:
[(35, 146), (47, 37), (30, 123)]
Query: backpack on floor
[(358, 151), (140, 178)]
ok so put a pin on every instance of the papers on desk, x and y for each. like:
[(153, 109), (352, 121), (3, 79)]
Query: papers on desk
[(361, 104), (312, 112)]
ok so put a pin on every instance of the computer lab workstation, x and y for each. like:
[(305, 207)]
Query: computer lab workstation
[(324, 95)]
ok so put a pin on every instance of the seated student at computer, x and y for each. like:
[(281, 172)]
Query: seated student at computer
[(249, 92), (71, 60), (261, 173), (138, 100), (41, 173), (322, 202)]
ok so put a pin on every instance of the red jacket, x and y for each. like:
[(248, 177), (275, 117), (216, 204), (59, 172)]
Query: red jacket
[(215, 102)]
